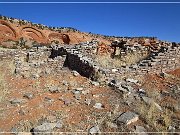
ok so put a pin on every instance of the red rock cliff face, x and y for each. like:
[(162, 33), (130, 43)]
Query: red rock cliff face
[(14, 31), (7, 31)]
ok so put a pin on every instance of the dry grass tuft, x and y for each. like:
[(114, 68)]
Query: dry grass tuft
[(131, 58), (3, 87), (4, 66), (160, 121)]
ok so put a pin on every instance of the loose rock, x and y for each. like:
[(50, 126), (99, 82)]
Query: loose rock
[(66, 101), (59, 124), (54, 89), (127, 118), (28, 95), (132, 80), (94, 130), (75, 73), (45, 127), (49, 99), (17, 101), (98, 106), (87, 101), (95, 83)]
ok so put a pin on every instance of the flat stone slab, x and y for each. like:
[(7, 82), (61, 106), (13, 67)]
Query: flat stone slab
[(45, 127), (128, 118)]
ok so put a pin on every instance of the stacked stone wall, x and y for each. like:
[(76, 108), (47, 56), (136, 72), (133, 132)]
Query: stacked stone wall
[(81, 58)]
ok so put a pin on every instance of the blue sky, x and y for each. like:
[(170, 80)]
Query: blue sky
[(160, 20)]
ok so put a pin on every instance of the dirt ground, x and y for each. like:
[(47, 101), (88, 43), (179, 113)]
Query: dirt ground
[(75, 114)]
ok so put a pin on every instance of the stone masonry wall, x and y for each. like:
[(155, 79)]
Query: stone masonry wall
[(81, 58)]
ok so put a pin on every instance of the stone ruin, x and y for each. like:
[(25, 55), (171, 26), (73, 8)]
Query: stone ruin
[(40, 61)]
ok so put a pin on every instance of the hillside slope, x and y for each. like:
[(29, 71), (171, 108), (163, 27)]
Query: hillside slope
[(14, 29)]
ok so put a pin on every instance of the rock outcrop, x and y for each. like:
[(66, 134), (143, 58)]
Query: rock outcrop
[(14, 29)]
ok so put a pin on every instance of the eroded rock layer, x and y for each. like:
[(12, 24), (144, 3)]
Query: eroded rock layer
[(15, 29)]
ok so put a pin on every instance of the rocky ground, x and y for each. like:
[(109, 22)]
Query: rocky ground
[(38, 95), (67, 102)]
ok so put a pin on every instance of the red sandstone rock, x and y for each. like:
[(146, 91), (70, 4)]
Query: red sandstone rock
[(14, 31)]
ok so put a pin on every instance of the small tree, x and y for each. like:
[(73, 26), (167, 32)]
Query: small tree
[(22, 42), (1, 17)]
